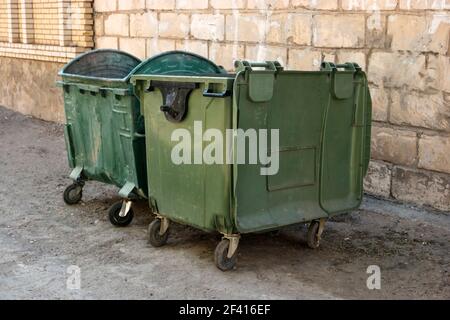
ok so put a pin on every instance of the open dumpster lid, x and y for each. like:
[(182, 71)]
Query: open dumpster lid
[(101, 64)]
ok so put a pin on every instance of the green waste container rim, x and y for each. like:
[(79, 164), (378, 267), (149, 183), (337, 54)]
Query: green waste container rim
[(63, 72), (216, 69)]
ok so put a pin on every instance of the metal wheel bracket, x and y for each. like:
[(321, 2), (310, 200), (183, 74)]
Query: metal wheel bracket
[(126, 205), (234, 243), (76, 173), (165, 223), (321, 228)]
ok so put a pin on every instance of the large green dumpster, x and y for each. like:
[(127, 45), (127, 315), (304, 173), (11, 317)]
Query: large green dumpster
[(321, 121)]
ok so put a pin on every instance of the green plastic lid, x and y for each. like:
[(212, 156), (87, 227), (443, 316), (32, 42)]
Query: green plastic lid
[(101, 64), (178, 63)]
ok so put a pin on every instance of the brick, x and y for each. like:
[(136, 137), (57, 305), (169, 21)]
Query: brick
[(160, 4), (376, 31), (117, 25), (106, 43), (131, 4), (380, 104), (195, 46), (105, 5), (191, 4), (173, 25), (316, 4), (420, 33), (99, 26), (221, 4), (304, 59), (421, 187), (246, 27), (264, 53), (396, 69), (408, 32), (424, 4), (434, 153), (378, 179), (437, 73), (372, 5), (420, 110), (144, 24), (156, 46), (267, 4), (438, 33), (226, 54), (340, 31), (208, 26), (290, 28), (352, 56), (134, 46), (395, 146), (328, 57)]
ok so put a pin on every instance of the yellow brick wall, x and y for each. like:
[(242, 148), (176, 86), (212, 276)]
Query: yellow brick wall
[(49, 30), (45, 21), (3, 22)]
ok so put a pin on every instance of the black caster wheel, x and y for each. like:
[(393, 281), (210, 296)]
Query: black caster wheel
[(116, 219), (313, 238), (221, 256), (154, 237), (73, 194)]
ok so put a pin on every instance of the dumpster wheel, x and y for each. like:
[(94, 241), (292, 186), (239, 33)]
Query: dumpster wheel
[(73, 193), (121, 214), (158, 232), (314, 233), (222, 257)]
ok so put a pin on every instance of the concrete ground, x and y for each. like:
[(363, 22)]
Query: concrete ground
[(40, 237)]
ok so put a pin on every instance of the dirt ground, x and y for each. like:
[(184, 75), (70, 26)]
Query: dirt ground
[(40, 237)]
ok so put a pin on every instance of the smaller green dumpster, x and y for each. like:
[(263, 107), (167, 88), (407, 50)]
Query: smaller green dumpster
[(104, 131), (254, 151)]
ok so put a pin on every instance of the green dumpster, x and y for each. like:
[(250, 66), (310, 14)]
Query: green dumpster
[(256, 150), (104, 131)]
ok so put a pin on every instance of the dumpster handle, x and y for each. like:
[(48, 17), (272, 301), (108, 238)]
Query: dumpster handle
[(348, 66), (223, 94), (273, 66)]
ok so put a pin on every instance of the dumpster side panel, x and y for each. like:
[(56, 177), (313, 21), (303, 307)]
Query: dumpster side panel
[(297, 109), (345, 149), (368, 127), (102, 127), (194, 194)]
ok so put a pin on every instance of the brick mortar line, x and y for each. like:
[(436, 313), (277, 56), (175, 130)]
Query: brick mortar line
[(419, 12), (419, 170), (392, 166), (415, 129), (227, 12), (368, 50)]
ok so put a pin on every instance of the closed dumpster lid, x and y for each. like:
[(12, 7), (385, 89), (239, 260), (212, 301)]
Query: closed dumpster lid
[(178, 63), (101, 64)]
